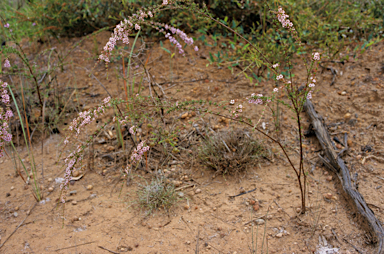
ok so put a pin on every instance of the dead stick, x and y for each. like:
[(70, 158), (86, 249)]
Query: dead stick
[(74, 246), (197, 241), (18, 226), (337, 165), (184, 187), (111, 251)]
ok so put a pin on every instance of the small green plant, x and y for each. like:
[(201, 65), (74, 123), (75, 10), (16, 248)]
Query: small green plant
[(157, 194)]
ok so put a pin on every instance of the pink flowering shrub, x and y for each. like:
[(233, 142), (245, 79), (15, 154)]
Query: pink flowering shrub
[(5, 115), (126, 27), (76, 127)]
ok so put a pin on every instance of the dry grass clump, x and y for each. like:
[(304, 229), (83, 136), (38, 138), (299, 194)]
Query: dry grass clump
[(230, 152), (157, 194)]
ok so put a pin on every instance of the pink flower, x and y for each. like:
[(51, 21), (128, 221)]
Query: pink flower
[(309, 96), (282, 17), (33, 24), (275, 65), (196, 48), (5, 115), (165, 2), (131, 130), (7, 64), (316, 56), (232, 102), (279, 77), (6, 25), (275, 90), (137, 27), (150, 14), (311, 85), (256, 99)]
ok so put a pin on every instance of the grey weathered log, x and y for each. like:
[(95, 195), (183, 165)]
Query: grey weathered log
[(333, 161)]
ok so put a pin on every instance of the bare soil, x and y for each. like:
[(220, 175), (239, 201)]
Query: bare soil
[(209, 221)]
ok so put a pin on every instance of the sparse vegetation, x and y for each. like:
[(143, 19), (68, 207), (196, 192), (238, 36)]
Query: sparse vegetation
[(157, 194)]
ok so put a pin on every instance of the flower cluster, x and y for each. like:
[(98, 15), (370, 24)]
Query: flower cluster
[(76, 156), (139, 151), (72, 159), (5, 115), (6, 25), (311, 85), (256, 99), (279, 77), (87, 117), (7, 64), (182, 35), (316, 56), (125, 27), (239, 109), (282, 17)]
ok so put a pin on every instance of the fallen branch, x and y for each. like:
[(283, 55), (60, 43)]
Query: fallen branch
[(111, 251), (333, 161), (70, 247)]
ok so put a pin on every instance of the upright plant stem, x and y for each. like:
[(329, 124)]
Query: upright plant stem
[(130, 56)]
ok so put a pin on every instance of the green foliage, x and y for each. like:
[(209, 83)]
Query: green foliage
[(327, 25)]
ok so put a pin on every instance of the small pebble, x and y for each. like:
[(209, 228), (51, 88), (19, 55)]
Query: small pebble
[(329, 178), (185, 115), (279, 235), (256, 207), (327, 195), (16, 208), (347, 116), (74, 202), (50, 189), (75, 173), (50, 179), (15, 214), (12, 188), (89, 187), (197, 191), (186, 207), (259, 221)]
